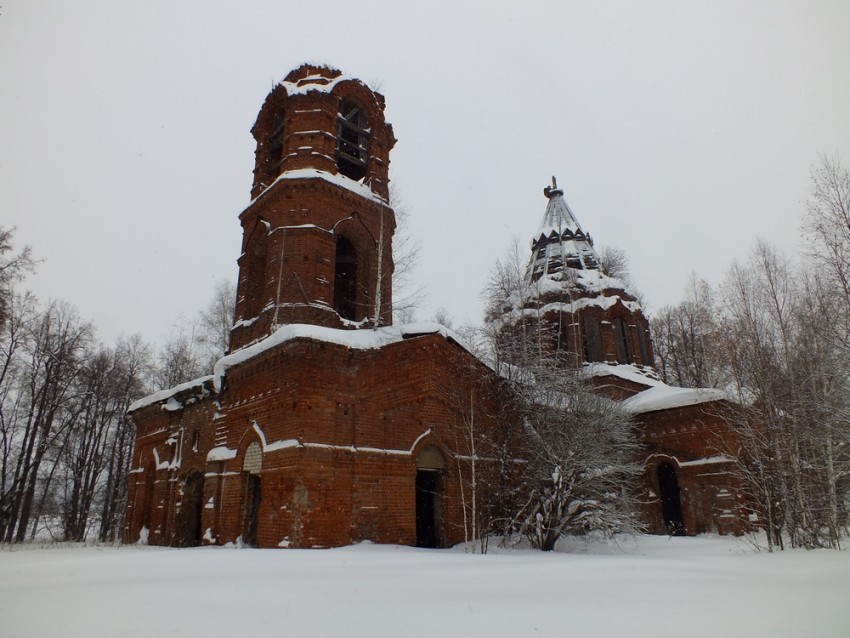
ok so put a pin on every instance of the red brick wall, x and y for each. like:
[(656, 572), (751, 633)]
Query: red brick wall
[(377, 402), (712, 494)]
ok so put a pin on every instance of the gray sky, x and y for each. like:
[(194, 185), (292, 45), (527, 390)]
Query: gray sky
[(680, 132)]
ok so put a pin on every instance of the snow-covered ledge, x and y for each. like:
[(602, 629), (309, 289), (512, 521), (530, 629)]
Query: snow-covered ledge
[(665, 397)]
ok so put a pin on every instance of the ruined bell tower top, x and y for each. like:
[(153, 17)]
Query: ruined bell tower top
[(321, 119)]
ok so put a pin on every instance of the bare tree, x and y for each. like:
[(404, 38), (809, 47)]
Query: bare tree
[(95, 460), (793, 381), (686, 340), (581, 460), (407, 293), (44, 410), (133, 362), (12, 267), (828, 226), (215, 322), (579, 447), (180, 358)]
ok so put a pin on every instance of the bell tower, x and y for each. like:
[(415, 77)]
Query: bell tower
[(317, 235)]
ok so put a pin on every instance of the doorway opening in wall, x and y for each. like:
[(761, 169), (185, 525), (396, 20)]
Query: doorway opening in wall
[(252, 510), (671, 499), (252, 496), (430, 487), (428, 508), (191, 509)]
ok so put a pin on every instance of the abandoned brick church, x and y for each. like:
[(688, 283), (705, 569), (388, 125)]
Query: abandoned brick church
[(325, 424)]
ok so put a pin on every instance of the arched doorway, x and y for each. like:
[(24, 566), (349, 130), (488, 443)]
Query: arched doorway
[(671, 499), (251, 467), (191, 509), (430, 472)]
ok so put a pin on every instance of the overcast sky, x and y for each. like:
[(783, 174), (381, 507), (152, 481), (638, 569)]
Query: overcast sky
[(680, 132)]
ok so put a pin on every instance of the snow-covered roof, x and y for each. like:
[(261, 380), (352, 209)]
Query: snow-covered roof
[(334, 178), (665, 397), (560, 241), (364, 339), (658, 395), (636, 374)]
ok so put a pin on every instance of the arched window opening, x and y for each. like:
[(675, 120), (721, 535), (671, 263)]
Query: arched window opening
[(671, 500), (352, 140), (430, 472), (621, 341), (345, 279), (592, 340)]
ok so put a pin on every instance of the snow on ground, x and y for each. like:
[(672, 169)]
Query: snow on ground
[(652, 586)]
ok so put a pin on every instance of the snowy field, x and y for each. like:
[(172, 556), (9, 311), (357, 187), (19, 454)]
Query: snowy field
[(654, 586)]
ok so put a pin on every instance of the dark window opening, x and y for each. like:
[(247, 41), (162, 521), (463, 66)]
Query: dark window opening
[(276, 146), (644, 351), (574, 262), (345, 279), (621, 341), (253, 497), (592, 340), (428, 508), (671, 500), (352, 141)]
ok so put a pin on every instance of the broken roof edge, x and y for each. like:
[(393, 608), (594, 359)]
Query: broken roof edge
[(164, 395)]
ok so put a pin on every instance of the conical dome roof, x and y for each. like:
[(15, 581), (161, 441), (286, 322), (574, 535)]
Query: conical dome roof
[(560, 241)]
